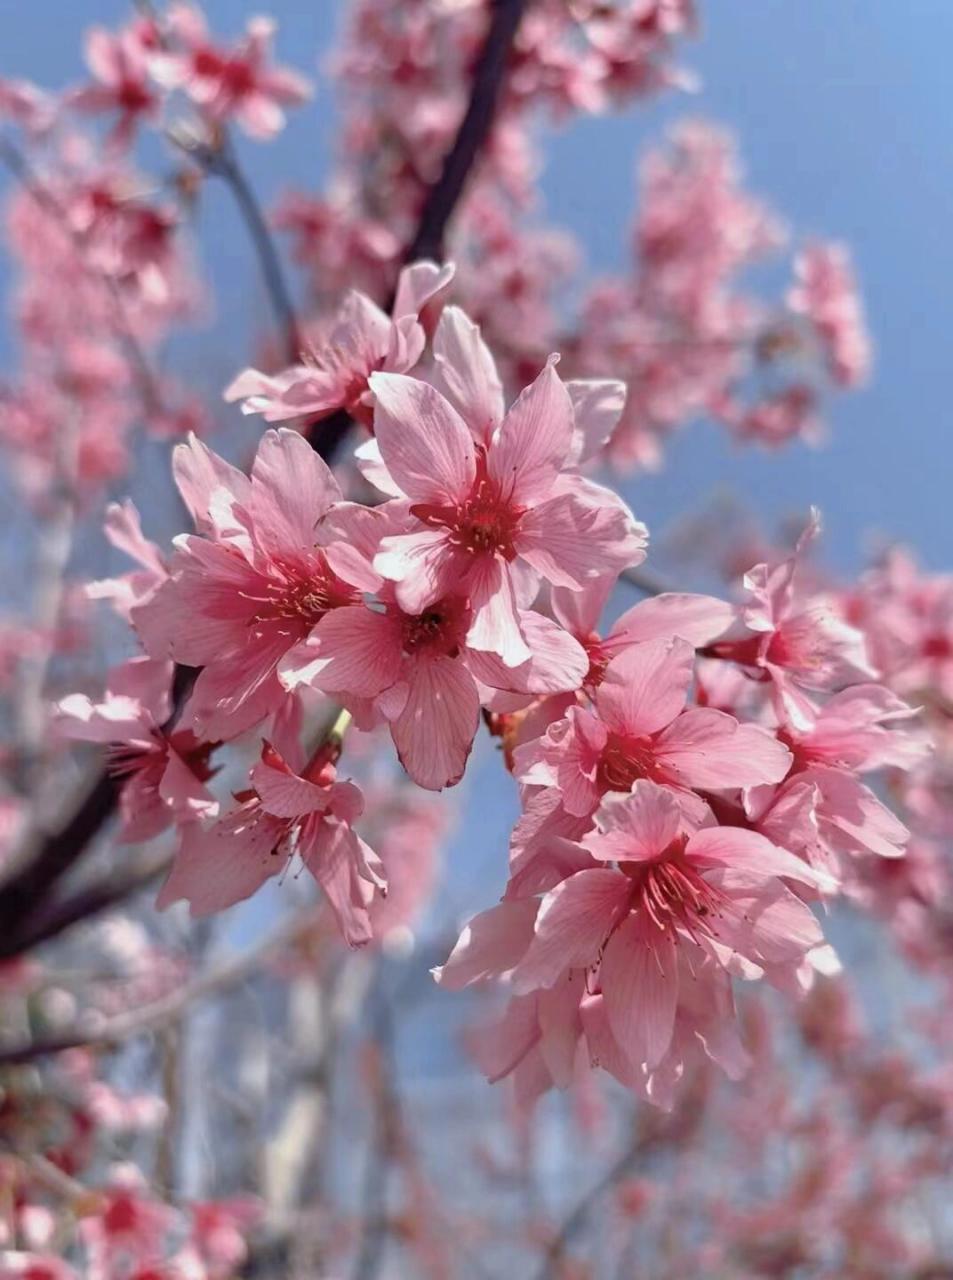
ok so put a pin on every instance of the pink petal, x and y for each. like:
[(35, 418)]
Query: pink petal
[(639, 976), (597, 406), (747, 851), (467, 374), (490, 945), (352, 650), (292, 488), (425, 564), (199, 475), (434, 733), (335, 856), (530, 448), (225, 863), (708, 749), (697, 619), (573, 922), (417, 284), (570, 541), (559, 663), (644, 688), (283, 793), (495, 625), (424, 442), (635, 827)]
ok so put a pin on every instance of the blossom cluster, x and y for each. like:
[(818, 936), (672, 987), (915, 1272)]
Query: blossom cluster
[(690, 781)]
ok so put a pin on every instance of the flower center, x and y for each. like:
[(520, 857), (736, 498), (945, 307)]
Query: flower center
[(485, 523), (439, 629), (300, 593), (674, 894), (624, 761)]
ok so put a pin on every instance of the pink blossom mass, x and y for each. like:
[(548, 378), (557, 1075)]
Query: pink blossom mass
[(462, 813)]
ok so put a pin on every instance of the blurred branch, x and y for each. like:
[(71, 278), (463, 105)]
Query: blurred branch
[(220, 161), (111, 1032), (51, 918), (380, 1152), (577, 1219)]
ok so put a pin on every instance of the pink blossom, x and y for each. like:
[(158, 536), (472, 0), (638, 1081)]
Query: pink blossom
[(163, 773), (494, 514), (640, 727), (289, 809), (826, 295), (266, 566), (120, 67), (124, 530), (421, 676), (796, 642), (237, 83), (678, 909), (335, 372)]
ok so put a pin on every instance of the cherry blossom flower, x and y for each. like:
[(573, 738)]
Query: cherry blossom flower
[(120, 66), (421, 676), (256, 579), (335, 372), (640, 727), (494, 517), (163, 772), (798, 643), (288, 810), (826, 295), (237, 83)]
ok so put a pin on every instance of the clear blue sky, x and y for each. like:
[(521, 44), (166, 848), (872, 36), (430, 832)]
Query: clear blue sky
[(843, 110)]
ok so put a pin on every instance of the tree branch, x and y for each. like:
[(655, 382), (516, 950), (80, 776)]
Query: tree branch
[(444, 195)]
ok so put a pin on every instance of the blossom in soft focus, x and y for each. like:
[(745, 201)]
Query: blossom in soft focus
[(237, 82), (254, 581)]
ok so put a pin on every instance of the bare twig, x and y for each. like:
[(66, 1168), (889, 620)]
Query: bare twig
[(52, 917), (221, 162), (382, 1151)]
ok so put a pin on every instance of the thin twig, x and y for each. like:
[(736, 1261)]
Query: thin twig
[(381, 1152), (51, 918), (223, 163)]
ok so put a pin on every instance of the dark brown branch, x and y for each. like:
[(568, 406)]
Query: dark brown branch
[(444, 195)]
